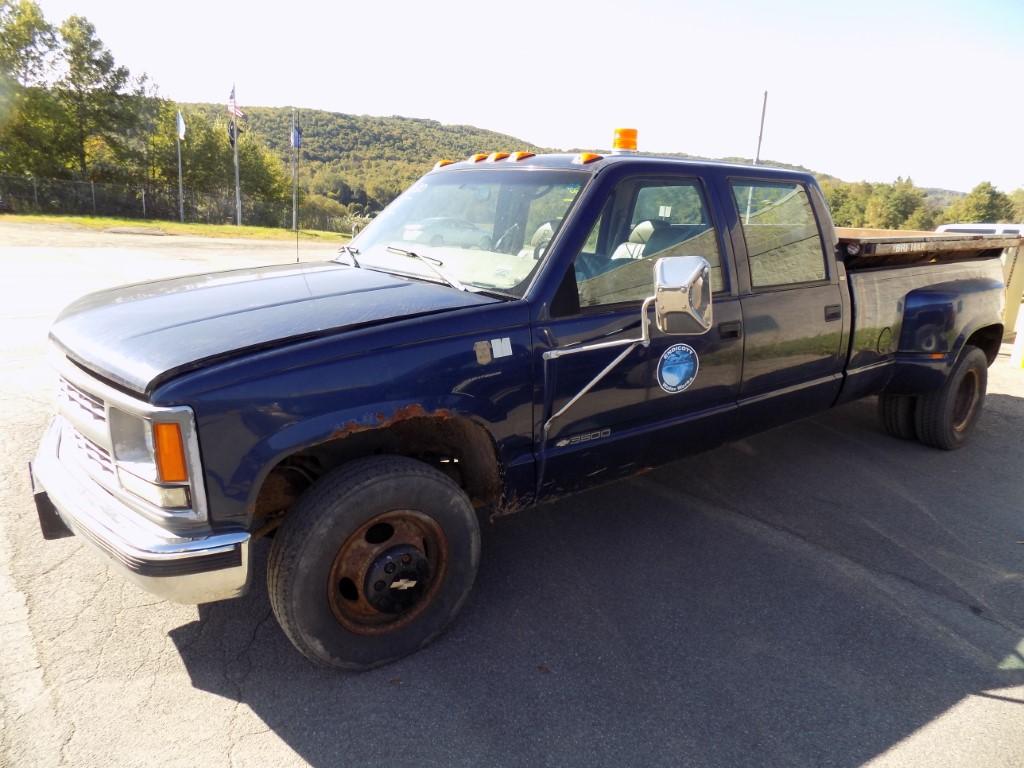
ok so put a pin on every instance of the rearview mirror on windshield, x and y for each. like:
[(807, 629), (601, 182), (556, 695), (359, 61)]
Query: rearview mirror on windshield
[(682, 295)]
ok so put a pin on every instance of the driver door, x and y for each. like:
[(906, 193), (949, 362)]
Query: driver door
[(674, 397)]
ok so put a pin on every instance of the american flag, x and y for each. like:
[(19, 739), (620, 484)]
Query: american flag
[(233, 109)]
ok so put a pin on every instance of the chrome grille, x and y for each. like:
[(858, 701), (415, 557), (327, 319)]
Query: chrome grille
[(89, 406), (95, 457)]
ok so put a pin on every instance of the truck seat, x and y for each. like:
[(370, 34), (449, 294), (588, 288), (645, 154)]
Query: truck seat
[(541, 237), (639, 237)]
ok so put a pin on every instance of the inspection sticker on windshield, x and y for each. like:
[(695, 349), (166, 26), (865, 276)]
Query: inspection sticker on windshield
[(677, 368)]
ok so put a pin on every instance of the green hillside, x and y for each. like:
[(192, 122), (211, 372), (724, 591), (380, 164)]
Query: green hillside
[(363, 162), (362, 159)]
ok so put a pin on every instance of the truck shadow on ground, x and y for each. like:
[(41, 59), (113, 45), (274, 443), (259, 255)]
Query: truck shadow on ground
[(809, 596)]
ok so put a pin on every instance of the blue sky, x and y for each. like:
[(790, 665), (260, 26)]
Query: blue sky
[(860, 89)]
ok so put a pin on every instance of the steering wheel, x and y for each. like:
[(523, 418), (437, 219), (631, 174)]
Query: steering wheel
[(500, 244)]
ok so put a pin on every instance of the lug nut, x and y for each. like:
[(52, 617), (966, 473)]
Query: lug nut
[(406, 559), (389, 568), (379, 586)]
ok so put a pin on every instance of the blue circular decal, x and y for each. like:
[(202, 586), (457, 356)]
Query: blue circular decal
[(677, 368)]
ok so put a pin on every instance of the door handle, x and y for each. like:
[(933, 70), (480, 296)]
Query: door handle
[(732, 329), (833, 312)]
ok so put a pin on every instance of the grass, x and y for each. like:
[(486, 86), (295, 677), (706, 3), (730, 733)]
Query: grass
[(101, 223)]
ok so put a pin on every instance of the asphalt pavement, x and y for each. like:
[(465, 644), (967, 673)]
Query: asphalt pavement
[(819, 595)]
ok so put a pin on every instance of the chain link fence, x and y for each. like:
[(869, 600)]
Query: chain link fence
[(26, 194)]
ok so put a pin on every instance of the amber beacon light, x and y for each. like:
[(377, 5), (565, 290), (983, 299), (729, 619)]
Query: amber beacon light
[(624, 141)]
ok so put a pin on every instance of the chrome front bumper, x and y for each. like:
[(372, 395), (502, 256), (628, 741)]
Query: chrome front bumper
[(181, 569)]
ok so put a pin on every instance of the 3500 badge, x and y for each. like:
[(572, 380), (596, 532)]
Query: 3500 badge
[(677, 368)]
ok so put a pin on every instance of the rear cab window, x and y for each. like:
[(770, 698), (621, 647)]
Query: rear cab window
[(784, 245)]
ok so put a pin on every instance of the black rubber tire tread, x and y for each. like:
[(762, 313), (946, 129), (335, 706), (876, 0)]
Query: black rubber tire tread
[(896, 412), (934, 416), (296, 532)]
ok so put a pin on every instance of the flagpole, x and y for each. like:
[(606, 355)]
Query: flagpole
[(181, 194), (295, 177), (238, 188)]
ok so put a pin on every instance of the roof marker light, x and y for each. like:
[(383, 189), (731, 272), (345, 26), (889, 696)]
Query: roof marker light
[(442, 163), (496, 156), (517, 156), (476, 158), (587, 157), (624, 141)]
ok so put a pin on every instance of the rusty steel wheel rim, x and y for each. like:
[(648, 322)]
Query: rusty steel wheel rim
[(966, 401), (387, 572)]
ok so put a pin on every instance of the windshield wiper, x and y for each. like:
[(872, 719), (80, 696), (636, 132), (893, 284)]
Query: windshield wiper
[(434, 265), (352, 253)]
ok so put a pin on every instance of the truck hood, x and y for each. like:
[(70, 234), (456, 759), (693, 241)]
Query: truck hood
[(140, 335)]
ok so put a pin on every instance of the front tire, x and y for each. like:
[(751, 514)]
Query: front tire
[(946, 416), (373, 562)]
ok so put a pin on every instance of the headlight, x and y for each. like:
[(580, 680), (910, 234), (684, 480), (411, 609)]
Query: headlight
[(151, 459), (175, 497)]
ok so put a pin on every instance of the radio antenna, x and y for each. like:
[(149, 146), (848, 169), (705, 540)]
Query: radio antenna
[(757, 157)]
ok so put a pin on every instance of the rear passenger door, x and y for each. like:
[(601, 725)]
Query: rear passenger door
[(793, 306)]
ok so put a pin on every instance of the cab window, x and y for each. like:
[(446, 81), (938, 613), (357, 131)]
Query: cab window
[(644, 220), (781, 233), (488, 229)]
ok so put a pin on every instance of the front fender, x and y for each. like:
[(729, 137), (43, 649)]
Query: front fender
[(336, 425), (253, 412)]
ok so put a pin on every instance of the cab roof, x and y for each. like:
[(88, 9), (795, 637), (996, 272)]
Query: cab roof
[(571, 161)]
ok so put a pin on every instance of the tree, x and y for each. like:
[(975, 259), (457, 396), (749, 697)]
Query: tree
[(330, 183), (90, 90), (922, 219), (142, 141), (26, 41), (1017, 196), (321, 212), (27, 116), (982, 204), (31, 137), (261, 172), (848, 202), (891, 205)]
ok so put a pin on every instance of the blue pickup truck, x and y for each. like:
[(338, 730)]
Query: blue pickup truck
[(604, 314)]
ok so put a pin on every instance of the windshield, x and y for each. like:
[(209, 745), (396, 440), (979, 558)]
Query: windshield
[(486, 229)]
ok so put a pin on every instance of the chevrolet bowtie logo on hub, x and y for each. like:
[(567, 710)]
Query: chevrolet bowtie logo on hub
[(403, 584)]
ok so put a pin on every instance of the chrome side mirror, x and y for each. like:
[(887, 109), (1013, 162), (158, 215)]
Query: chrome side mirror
[(682, 295)]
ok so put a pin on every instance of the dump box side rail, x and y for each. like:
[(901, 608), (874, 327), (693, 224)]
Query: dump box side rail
[(876, 248)]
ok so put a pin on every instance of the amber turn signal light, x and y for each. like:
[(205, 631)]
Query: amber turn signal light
[(169, 451)]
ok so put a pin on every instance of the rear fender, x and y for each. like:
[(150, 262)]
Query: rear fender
[(937, 322)]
